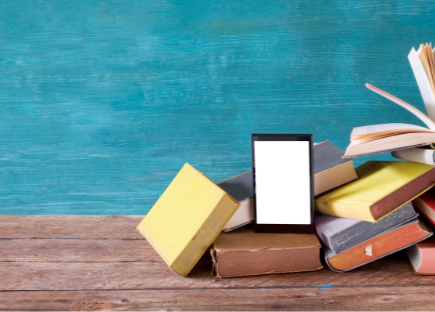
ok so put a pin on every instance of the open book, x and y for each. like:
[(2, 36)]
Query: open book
[(422, 63), (389, 137)]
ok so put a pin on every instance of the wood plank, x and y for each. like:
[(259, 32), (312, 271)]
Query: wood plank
[(105, 227), (149, 275), (77, 250), (304, 299)]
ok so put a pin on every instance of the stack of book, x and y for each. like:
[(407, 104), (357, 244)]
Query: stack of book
[(362, 214)]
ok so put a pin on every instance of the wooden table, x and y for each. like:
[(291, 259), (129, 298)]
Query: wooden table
[(103, 263)]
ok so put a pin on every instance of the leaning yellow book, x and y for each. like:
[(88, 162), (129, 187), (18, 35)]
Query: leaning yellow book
[(187, 218), (382, 187)]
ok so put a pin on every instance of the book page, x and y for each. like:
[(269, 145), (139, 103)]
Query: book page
[(426, 120), (428, 49), (423, 83), (359, 131)]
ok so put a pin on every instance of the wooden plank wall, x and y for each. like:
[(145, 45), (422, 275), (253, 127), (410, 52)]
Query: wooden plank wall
[(102, 263), (102, 102)]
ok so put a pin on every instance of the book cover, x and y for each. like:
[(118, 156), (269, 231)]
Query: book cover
[(422, 257), (339, 234), (382, 187), (186, 219), (244, 252), (425, 204), (331, 170), (379, 246), (240, 187)]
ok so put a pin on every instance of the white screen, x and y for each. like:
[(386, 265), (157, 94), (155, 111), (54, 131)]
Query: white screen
[(282, 182)]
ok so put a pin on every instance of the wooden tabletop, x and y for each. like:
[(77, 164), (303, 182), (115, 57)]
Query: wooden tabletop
[(103, 263)]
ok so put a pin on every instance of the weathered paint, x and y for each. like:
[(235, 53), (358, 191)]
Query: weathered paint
[(102, 102)]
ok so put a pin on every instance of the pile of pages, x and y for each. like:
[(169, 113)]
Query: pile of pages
[(362, 214)]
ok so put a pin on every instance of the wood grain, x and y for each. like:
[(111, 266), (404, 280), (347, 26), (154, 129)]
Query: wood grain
[(295, 299), (99, 263), (84, 227), (150, 275)]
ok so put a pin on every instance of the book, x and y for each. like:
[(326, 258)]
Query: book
[(422, 64), (424, 155), (425, 204), (422, 257), (382, 187), (244, 252), (379, 246), (381, 138), (339, 234), (330, 171), (186, 219), (240, 187)]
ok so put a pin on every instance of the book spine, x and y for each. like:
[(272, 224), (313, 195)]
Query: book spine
[(425, 156)]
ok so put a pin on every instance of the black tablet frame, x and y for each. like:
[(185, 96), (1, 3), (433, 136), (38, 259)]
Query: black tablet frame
[(285, 228)]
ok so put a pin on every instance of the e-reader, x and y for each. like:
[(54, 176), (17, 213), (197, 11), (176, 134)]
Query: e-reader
[(283, 183)]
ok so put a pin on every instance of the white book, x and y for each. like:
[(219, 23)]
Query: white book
[(423, 155)]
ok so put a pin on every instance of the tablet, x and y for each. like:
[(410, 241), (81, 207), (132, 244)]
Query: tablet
[(282, 165)]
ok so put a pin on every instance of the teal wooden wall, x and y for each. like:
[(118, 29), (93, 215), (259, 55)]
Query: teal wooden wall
[(102, 102)]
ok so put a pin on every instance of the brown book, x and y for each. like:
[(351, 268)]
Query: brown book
[(244, 252), (378, 246)]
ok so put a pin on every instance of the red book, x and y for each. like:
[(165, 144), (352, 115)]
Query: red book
[(379, 246), (425, 204), (422, 257)]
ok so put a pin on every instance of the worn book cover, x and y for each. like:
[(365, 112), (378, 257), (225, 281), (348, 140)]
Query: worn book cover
[(187, 218), (244, 252), (379, 246), (339, 234), (382, 187), (425, 204), (240, 187)]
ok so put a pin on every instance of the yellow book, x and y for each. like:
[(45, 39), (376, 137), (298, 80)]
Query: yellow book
[(187, 218), (382, 187)]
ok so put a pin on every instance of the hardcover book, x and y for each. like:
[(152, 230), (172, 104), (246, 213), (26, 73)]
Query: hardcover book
[(339, 234), (240, 187), (382, 187), (186, 219), (424, 155), (331, 170), (422, 257), (379, 246), (425, 204), (244, 252)]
